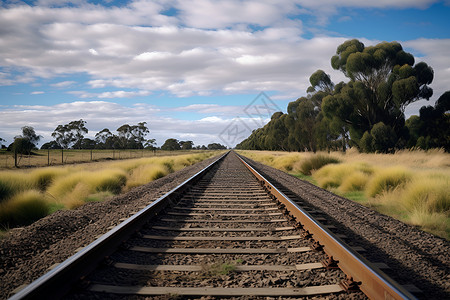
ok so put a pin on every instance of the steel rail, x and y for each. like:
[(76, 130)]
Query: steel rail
[(56, 283), (373, 282)]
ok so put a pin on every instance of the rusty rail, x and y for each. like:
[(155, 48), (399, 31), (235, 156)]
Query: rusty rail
[(371, 280)]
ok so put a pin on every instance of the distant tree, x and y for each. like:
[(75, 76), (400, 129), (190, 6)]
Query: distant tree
[(85, 143), (29, 134), (139, 132), (150, 144), (1, 142), (78, 129), (23, 144), (124, 135), (132, 136), (171, 145), (102, 137), (216, 146), (51, 145), (63, 136), (186, 145)]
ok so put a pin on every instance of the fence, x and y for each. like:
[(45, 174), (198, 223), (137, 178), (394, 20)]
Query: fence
[(42, 158)]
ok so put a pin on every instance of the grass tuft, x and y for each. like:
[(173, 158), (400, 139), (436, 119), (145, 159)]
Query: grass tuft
[(431, 193), (12, 183), (23, 209), (43, 178), (331, 176), (145, 174), (354, 181), (387, 180), (316, 162)]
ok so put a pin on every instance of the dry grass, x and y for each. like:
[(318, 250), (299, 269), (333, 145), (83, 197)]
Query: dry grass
[(412, 186), (22, 192), (23, 208), (387, 179)]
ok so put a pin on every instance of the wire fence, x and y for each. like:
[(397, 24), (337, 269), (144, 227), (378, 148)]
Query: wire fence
[(41, 158)]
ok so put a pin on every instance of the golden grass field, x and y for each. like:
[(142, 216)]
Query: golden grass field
[(411, 186), (29, 194), (43, 158)]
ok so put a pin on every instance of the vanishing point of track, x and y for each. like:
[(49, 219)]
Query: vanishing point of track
[(225, 232)]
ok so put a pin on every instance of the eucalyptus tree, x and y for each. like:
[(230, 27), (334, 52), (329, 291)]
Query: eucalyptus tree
[(383, 81)]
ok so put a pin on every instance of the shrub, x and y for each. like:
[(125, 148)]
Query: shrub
[(387, 179), (12, 183), (109, 181), (286, 162), (316, 162), (23, 209), (145, 174), (355, 181), (431, 193), (331, 176), (45, 176)]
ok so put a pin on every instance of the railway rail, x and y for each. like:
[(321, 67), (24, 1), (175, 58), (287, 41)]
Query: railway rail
[(224, 232)]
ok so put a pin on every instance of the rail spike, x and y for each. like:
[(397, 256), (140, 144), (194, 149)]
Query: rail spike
[(349, 285)]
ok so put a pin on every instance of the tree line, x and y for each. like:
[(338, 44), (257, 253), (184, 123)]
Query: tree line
[(72, 136), (367, 112)]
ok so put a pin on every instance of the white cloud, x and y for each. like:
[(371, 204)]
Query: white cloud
[(37, 93), (63, 84), (110, 95), (101, 114), (207, 47)]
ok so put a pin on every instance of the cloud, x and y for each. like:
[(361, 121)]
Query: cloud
[(37, 93), (63, 84), (110, 95), (101, 114)]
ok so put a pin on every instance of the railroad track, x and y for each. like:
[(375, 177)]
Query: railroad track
[(224, 232)]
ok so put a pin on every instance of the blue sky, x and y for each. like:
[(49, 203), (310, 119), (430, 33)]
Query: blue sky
[(190, 68)]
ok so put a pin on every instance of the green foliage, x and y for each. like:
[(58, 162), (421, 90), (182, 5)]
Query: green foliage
[(432, 128), (170, 145), (23, 209), (316, 162)]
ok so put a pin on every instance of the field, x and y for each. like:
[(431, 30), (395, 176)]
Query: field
[(43, 158), (411, 186), (29, 194)]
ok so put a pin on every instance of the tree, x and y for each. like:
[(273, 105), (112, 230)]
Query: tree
[(432, 128), (132, 137), (23, 144), (1, 142), (78, 129), (186, 145), (63, 136), (51, 145), (150, 144), (171, 145), (29, 134), (216, 146), (139, 132), (383, 81)]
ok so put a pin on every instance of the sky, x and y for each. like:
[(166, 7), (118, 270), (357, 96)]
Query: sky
[(208, 71)]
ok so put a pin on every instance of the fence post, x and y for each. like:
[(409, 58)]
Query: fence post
[(91, 154), (15, 158), (62, 156), (48, 156)]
